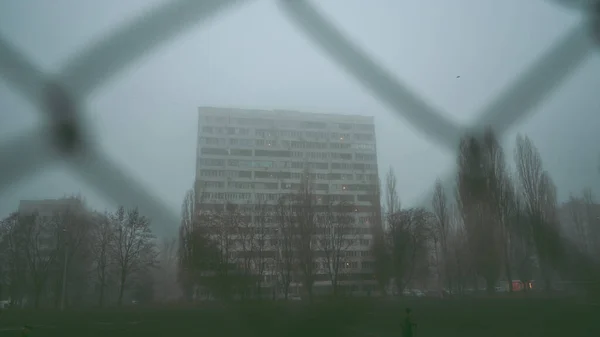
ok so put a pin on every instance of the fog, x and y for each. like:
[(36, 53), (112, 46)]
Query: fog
[(457, 55)]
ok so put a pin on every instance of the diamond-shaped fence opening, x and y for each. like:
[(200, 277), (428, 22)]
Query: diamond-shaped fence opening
[(61, 98)]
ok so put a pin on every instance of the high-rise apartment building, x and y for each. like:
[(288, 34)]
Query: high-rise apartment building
[(258, 156)]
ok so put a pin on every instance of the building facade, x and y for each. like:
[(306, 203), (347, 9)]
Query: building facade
[(248, 157)]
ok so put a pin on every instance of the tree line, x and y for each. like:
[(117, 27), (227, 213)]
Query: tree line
[(74, 257), (494, 223), (261, 249)]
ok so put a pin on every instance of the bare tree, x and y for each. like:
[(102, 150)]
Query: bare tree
[(263, 256), (379, 249), (102, 247), (509, 212), (522, 246), (244, 232), (441, 230), (190, 246), (284, 243), (391, 196), (13, 258), (166, 271), (481, 172), (305, 229), (407, 239), (539, 198), (74, 225), (134, 248), (336, 235), (38, 241), (592, 221), (223, 226), (198, 252), (577, 218), (459, 265)]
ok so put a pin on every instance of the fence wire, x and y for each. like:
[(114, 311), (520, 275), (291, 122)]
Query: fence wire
[(61, 97)]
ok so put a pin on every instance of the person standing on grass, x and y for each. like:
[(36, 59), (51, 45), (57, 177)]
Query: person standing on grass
[(408, 325)]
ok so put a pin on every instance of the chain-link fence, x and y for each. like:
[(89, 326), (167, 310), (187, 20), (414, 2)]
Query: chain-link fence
[(60, 97)]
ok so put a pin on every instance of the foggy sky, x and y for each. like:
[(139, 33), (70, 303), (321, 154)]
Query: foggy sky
[(251, 57)]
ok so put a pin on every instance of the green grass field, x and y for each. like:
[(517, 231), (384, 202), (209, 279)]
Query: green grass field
[(464, 318)]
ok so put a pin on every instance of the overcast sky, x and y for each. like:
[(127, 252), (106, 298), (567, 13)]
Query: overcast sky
[(251, 56)]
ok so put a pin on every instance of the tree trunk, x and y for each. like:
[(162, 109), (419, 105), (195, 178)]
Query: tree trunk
[(489, 286), (101, 297), (37, 296), (508, 273), (121, 289), (309, 292)]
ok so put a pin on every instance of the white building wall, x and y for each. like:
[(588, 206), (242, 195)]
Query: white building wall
[(251, 156)]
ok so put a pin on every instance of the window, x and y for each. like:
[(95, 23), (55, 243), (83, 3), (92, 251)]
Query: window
[(368, 264), (340, 197), (340, 136), (240, 152), (246, 163), (238, 131), (340, 145), (241, 185), (318, 166), (266, 142), (308, 145), (366, 156), (213, 184), (215, 151), (272, 153), (341, 166), (321, 187), (212, 162), (341, 156), (266, 186), (239, 163), (262, 163), (268, 196), (316, 134), (241, 142), (238, 196), (211, 173), (265, 133), (363, 146), (264, 174), (318, 155), (364, 198), (207, 129), (212, 141), (351, 265), (363, 137)]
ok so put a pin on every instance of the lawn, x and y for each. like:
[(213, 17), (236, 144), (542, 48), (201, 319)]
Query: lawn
[(464, 318)]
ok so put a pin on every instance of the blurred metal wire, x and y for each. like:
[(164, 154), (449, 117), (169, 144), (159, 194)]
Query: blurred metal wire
[(60, 98)]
